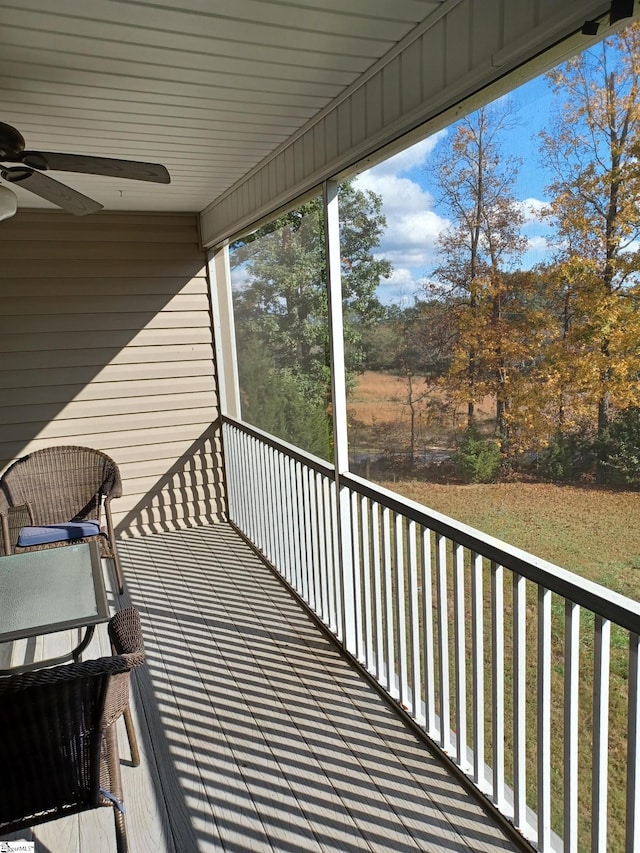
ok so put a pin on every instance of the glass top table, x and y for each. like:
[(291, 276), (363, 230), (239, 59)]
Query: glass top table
[(56, 589)]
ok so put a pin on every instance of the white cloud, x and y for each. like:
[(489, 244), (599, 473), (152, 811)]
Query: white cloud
[(535, 229), (412, 224), (400, 288), (538, 244), (532, 208), (240, 278), (411, 158)]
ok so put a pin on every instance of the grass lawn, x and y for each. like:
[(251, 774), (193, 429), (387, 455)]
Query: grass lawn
[(593, 532)]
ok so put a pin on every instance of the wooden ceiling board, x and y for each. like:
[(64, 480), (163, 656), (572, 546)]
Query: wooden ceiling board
[(172, 57), (243, 88), (174, 133), (157, 105), (209, 45), (84, 109), (207, 87), (214, 23), (402, 9), (151, 126), (142, 85)]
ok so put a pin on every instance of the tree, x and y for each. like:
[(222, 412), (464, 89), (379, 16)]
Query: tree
[(533, 308), (481, 246), (592, 149), (422, 355), (273, 399), (281, 306)]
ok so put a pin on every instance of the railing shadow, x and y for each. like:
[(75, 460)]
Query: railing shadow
[(264, 737), (190, 494)]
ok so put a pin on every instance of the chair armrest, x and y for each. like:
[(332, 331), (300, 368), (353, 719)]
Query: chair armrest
[(125, 632), (13, 520), (4, 534), (126, 639)]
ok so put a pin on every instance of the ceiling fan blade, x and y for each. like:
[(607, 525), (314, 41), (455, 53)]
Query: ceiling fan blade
[(53, 191), (129, 169)]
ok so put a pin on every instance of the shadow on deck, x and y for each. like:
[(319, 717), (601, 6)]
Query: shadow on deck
[(264, 736), (256, 733)]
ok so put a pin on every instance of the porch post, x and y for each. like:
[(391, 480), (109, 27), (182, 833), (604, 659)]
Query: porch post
[(339, 409), (224, 338)]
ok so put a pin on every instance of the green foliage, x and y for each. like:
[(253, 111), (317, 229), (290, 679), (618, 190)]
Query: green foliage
[(276, 401), (566, 458), (616, 452), (477, 459), (285, 296), (281, 314), (414, 338), (284, 301), (619, 449), (380, 345)]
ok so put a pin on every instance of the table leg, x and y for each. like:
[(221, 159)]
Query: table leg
[(88, 635)]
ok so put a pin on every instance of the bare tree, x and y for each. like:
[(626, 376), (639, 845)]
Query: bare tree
[(481, 246)]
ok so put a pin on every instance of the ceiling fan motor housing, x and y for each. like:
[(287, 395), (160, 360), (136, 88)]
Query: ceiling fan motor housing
[(11, 142)]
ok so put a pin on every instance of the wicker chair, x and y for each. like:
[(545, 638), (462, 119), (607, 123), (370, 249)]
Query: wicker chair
[(58, 743), (67, 486)]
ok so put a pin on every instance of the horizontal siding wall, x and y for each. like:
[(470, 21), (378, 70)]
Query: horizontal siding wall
[(459, 49), (105, 341)]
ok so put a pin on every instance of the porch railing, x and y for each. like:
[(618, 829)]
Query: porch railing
[(526, 675)]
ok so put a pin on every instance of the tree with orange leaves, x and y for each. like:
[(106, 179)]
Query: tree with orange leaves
[(593, 150)]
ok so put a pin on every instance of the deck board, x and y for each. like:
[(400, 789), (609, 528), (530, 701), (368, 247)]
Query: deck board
[(256, 733)]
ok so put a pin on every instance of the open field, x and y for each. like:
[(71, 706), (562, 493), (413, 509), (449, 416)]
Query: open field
[(593, 532), (379, 415), (378, 396)]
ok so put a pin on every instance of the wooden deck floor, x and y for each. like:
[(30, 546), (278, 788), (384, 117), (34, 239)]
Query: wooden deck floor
[(256, 734)]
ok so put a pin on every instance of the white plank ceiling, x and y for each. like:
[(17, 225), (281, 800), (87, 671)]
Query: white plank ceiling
[(206, 87)]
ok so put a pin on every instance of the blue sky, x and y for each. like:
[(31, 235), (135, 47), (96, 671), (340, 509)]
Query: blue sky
[(413, 219)]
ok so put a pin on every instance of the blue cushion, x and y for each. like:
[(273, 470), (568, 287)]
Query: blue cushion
[(57, 533)]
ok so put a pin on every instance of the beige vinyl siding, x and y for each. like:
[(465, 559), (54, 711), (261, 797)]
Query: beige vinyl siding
[(106, 341), (460, 48)]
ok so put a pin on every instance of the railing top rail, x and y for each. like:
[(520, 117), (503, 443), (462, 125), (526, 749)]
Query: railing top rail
[(601, 600), (320, 465)]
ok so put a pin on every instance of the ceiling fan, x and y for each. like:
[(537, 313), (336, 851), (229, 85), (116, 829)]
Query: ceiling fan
[(29, 174)]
